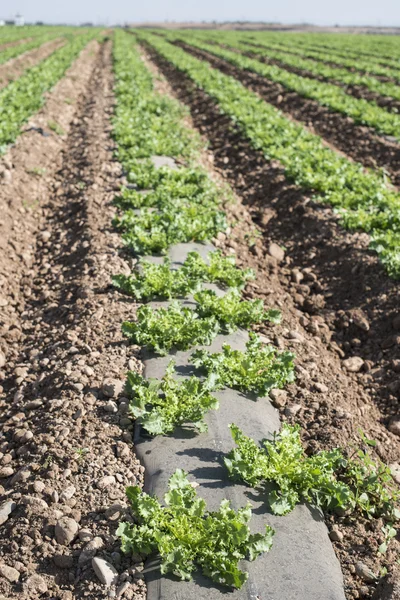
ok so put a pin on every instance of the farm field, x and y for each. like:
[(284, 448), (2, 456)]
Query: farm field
[(199, 314)]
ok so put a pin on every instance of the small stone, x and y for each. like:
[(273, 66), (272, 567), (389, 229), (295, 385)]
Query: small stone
[(105, 482), (66, 530), (278, 397), (45, 236), (353, 364), (295, 336), (34, 404), (67, 493), (35, 503), (105, 571), (63, 561), (111, 407), (112, 388), (6, 472), (321, 388), (365, 572), (35, 583), (90, 550), (276, 251), (335, 535), (2, 360), (395, 471), (291, 411), (9, 573), (394, 426), (85, 535), (6, 509), (297, 276), (38, 486), (114, 512)]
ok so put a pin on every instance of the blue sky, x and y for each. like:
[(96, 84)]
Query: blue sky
[(342, 12)]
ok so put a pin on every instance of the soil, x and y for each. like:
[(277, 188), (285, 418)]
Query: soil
[(12, 69), (334, 311), (358, 142), (63, 452)]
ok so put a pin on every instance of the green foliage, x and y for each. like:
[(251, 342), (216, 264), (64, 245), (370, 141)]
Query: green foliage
[(160, 281), (258, 369), (165, 404), (188, 536), (24, 96), (153, 232), (232, 312), (327, 479), (365, 200), (174, 327)]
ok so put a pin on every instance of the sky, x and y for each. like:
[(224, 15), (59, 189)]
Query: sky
[(319, 12)]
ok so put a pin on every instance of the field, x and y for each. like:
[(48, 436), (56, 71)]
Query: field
[(199, 313)]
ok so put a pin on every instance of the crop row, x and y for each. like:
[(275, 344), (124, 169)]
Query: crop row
[(362, 197), (361, 111), (14, 51), (13, 34), (373, 55), (184, 532), (24, 96), (318, 68)]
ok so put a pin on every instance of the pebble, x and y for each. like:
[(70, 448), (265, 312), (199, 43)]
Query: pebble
[(2, 360), (34, 404), (85, 535), (45, 235), (278, 397), (67, 493), (114, 512), (353, 364), (6, 472), (66, 530), (394, 469), (9, 573), (276, 251), (105, 571), (365, 572), (297, 276), (6, 509), (34, 502), (291, 411), (335, 535), (295, 336), (321, 387), (90, 550), (105, 482), (35, 583), (112, 388), (111, 407)]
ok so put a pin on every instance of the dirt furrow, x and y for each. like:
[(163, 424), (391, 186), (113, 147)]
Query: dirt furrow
[(65, 461), (15, 67), (357, 142)]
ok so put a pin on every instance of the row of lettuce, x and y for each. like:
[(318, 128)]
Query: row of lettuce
[(23, 97), (378, 58), (313, 68), (154, 211), (363, 198), (48, 34), (362, 111)]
